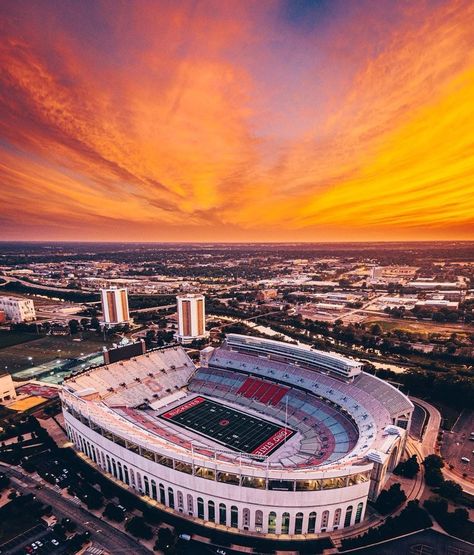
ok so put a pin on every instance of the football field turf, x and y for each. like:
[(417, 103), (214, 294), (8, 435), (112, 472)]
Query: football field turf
[(235, 429)]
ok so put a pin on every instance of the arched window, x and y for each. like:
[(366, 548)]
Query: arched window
[(299, 523), (109, 468), (272, 520), (312, 523), (170, 498), (180, 501), (211, 511), (246, 519), (154, 493), (190, 504), (200, 503), (139, 482), (222, 514), (94, 458), (347, 520), (161, 487), (358, 517), (285, 523), (147, 485), (125, 475), (114, 468), (132, 477), (324, 521), (120, 474), (337, 517), (234, 517), (258, 520)]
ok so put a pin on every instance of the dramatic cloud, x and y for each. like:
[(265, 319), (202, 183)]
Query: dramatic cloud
[(237, 120)]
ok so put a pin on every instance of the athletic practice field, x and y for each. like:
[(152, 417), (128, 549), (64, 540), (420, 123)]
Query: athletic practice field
[(235, 429)]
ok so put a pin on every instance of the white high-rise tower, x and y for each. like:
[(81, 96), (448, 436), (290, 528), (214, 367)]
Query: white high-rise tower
[(191, 317), (115, 306)]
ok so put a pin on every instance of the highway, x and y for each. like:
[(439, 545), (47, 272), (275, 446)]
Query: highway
[(111, 538)]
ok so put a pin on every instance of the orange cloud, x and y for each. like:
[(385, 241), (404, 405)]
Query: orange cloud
[(223, 121)]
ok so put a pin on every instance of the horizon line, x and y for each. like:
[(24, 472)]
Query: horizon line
[(78, 241)]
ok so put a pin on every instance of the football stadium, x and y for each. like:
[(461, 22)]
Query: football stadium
[(262, 436)]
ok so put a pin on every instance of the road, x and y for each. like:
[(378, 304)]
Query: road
[(9, 279), (430, 437), (152, 308), (112, 539)]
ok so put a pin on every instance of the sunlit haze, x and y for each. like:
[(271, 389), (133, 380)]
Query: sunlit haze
[(237, 121)]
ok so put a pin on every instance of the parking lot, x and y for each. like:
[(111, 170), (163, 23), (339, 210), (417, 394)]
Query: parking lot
[(40, 540), (457, 444), (53, 471)]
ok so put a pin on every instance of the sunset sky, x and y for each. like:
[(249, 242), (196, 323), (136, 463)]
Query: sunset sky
[(236, 121)]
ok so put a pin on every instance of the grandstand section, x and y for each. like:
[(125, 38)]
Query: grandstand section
[(263, 436)]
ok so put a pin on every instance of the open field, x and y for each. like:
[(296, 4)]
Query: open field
[(415, 326), (9, 339), (46, 349), (449, 414)]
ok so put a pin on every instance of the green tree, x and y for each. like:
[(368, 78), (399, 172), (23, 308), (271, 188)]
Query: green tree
[(139, 528), (376, 329), (165, 539), (450, 490), (113, 512), (73, 326), (433, 461), (408, 468), (434, 477), (390, 499)]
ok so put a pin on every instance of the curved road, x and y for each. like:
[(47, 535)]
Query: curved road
[(112, 539)]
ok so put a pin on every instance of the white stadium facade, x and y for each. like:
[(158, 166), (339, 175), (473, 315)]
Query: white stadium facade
[(262, 436)]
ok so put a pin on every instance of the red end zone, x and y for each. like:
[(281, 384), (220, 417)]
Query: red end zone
[(272, 442), (183, 408)]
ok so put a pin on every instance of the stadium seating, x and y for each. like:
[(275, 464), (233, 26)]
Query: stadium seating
[(138, 380), (327, 435), (264, 392)]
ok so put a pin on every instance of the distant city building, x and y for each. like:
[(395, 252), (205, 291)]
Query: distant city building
[(191, 317), (430, 284), (267, 294), (7, 389), (18, 309), (391, 274), (115, 305), (438, 303)]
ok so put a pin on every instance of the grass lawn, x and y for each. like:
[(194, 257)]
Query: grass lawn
[(9, 338), (48, 348), (414, 326), (13, 524), (449, 414)]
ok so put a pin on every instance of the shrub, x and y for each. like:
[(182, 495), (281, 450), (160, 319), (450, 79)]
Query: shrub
[(139, 528)]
